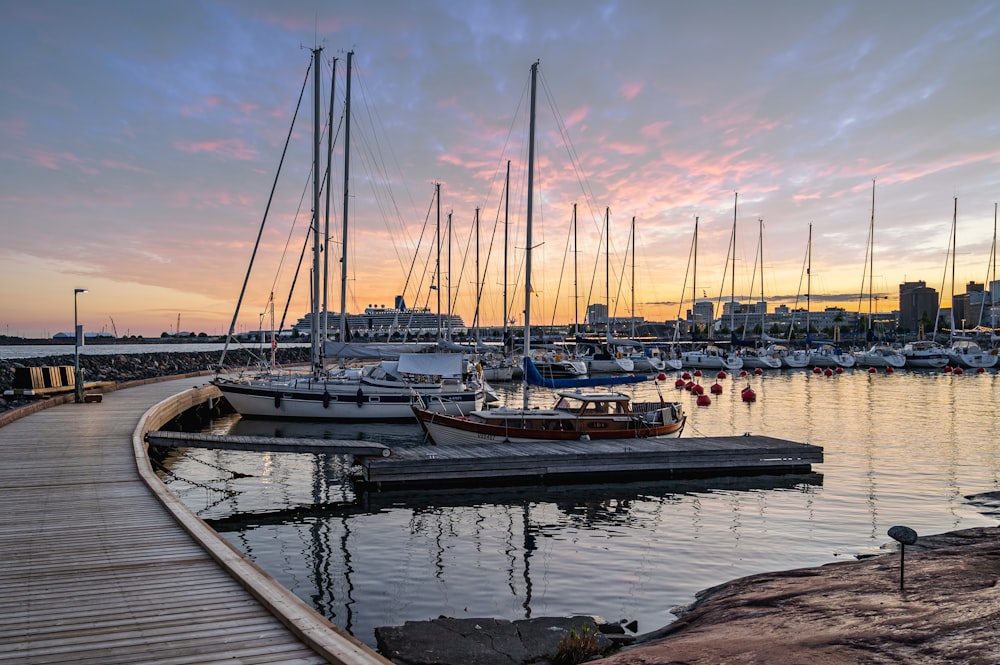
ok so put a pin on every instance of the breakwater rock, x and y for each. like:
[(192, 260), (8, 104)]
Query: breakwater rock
[(121, 368)]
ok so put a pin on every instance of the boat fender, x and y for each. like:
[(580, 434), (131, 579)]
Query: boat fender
[(277, 400), (360, 397), (618, 355), (326, 400)]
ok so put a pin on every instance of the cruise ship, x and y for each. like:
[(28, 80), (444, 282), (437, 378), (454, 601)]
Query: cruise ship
[(386, 320)]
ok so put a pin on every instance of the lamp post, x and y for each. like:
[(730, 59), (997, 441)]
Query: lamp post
[(77, 341)]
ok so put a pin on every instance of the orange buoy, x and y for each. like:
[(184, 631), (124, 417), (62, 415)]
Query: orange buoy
[(716, 389), (704, 400), (748, 394)]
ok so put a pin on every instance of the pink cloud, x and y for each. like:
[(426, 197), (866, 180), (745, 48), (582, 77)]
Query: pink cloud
[(54, 161), (228, 148), (577, 116), (630, 90)]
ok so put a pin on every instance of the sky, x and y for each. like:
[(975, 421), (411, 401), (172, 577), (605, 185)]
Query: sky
[(140, 141)]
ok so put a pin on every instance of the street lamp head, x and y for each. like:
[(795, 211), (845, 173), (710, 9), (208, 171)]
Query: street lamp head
[(80, 291)]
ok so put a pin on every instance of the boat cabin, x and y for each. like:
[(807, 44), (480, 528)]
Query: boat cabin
[(590, 404)]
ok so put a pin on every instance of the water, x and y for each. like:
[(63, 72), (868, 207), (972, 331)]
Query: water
[(903, 449), (17, 352)]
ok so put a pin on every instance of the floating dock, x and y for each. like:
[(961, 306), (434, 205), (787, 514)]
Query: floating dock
[(578, 461)]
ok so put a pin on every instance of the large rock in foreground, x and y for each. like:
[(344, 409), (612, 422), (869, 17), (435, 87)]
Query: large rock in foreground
[(848, 613)]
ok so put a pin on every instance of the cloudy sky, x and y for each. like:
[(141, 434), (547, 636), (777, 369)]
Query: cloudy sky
[(139, 142)]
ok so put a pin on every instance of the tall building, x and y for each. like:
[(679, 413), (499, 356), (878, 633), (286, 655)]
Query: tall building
[(918, 304)]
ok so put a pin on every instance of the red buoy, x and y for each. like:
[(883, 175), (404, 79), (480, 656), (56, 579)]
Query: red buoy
[(758, 371), (698, 389), (958, 370), (817, 370), (828, 372), (704, 400), (748, 394), (743, 373), (889, 370), (686, 376), (697, 372), (680, 383), (716, 389), (661, 377), (872, 370), (721, 374), (689, 386), (840, 370), (980, 370), (947, 368)]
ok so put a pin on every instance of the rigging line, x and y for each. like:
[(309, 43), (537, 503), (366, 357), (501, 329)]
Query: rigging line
[(416, 255), (260, 232), (687, 270), (562, 271), (588, 192)]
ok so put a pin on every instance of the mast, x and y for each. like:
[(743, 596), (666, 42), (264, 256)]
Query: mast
[(475, 317), (809, 261), (732, 280), (347, 175), (607, 272), (314, 323), (694, 276), (954, 245), (506, 227), (632, 303), (448, 281), (527, 248), (763, 312), (576, 289), (437, 263), (871, 267), (326, 224)]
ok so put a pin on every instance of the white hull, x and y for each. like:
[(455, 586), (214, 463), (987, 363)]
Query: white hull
[(877, 358), (611, 366), (301, 399), (819, 358), (984, 360), (760, 361)]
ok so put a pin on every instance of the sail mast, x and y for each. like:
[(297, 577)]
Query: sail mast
[(506, 235), (527, 248), (576, 285), (326, 225), (732, 280), (314, 328), (607, 272), (347, 175), (632, 304)]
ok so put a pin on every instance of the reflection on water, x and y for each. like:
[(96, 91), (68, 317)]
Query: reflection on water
[(899, 449)]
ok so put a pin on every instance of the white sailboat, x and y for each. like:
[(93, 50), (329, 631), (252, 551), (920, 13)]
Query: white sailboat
[(964, 352), (879, 354), (576, 415), (825, 354), (380, 391)]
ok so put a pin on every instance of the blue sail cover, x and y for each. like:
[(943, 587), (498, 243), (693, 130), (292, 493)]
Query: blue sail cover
[(535, 378)]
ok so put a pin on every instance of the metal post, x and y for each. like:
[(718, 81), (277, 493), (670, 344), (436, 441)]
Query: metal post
[(77, 340)]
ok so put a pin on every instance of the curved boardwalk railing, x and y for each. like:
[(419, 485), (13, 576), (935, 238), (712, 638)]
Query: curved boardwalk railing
[(102, 564)]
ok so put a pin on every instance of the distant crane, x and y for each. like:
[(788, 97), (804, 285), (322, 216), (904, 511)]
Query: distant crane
[(113, 329)]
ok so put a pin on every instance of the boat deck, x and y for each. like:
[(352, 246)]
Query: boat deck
[(97, 569)]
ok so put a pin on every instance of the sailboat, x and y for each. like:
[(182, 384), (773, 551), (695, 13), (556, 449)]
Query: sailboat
[(880, 354), (756, 356), (822, 353), (964, 352), (576, 414), (381, 391)]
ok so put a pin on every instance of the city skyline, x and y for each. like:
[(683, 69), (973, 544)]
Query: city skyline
[(140, 143)]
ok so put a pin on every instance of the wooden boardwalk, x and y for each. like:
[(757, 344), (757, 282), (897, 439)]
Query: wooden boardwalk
[(99, 565)]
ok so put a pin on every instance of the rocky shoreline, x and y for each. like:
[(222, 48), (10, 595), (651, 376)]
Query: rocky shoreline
[(125, 367)]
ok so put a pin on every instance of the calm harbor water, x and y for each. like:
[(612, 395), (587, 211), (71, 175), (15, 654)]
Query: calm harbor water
[(905, 448)]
